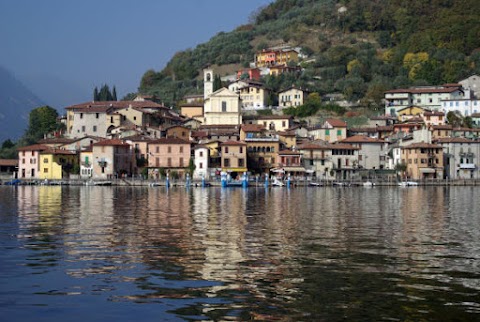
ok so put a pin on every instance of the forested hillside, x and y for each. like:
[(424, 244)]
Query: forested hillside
[(356, 47)]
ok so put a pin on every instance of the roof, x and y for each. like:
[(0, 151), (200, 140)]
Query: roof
[(252, 128), (448, 89), (233, 143), (169, 140), (138, 138), (361, 139), (115, 104), (422, 145), (434, 113), (275, 117), (56, 141), (112, 142), (289, 152), (454, 140), (33, 147), (336, 123), (8, 162), (58, 152), (442, 127)]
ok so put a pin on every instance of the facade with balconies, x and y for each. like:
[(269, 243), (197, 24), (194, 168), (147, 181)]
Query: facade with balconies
[(423, 160), (460, 158)]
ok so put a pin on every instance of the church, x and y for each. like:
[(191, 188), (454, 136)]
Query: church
[(222, 107)]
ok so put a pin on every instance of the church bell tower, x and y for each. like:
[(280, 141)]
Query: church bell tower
[(207, 83)]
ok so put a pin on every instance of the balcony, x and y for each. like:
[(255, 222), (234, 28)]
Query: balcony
[(467, 166)]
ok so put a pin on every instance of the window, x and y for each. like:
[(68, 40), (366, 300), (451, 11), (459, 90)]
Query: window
[(327, 132), (169, 149), (81, 115), (284, 123), (134, 118), (157, 162), (97, 115), (181, 149), (241, 162), (339, 132), (45, 160), (200, 165), (157, 149), (83, 128), (181, 162), (226, 149), (200, 153), (45, 170), (169, 162), (94, 128), (224, 106), (226, 162), (241, 149)]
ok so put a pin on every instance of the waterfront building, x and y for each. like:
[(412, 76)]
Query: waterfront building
[(29, 160), (86, 163), (372, 152), (171, 154), (423, 161), (290, 163), (234, 158), (112, 159), (202, 166), (57, 164), (262, 147), (329, 161), (461, 157)]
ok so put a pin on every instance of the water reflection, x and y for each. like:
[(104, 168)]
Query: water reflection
[(299, 254)]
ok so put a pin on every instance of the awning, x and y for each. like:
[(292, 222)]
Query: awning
[(235, 169), (470, 166), (294, 169), (277, 170), (427, 170)]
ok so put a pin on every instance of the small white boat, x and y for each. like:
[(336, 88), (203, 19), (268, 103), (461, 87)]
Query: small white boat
[(277, 183), (368, 184), (315, 184), (408, 184)]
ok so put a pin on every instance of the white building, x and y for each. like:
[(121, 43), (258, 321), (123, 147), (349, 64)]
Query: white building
[(428, 97), (292, 97), (201, 157)]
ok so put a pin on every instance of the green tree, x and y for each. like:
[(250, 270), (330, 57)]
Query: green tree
[(42, 120), (217, 83)]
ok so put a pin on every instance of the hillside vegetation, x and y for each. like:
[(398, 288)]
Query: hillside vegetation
[(356, 47)]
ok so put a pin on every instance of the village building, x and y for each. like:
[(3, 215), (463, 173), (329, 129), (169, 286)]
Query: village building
[(429, 97), (234, 158), (292, 96), (332, 130), (461, 158), (171, 154), (201, 158), (57, 164), (423, 160), (112, 158), (372, 153), (29, 161)]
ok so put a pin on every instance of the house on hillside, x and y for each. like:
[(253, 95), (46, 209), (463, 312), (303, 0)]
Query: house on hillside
[(292, 96)]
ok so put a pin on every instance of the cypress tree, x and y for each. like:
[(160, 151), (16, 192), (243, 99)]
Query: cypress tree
[(114, 94), (95, 94)]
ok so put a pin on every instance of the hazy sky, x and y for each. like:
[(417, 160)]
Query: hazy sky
[(87, 43)]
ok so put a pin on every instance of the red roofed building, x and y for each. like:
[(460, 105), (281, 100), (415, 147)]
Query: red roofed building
[(112, 159), (372, 153), (429, 97), (170, 154), (29, 161), (234, 158)]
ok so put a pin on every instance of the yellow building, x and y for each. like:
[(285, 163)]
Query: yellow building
[(423, 160), (56, 164)]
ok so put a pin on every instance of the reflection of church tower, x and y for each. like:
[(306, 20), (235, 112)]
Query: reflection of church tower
[(207, 83)]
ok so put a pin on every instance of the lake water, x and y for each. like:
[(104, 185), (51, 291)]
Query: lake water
[(300, 254)]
